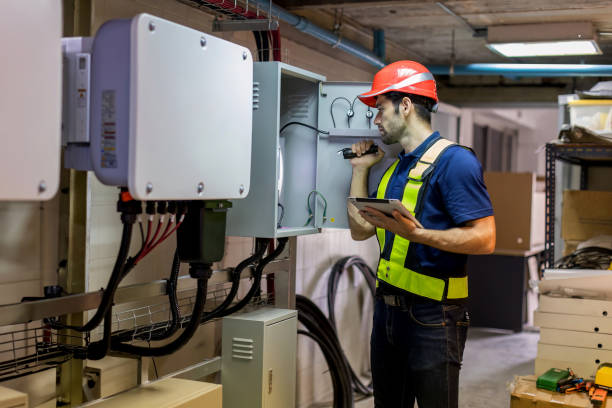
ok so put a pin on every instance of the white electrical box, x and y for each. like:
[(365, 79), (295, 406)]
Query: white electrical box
[(76, 107), (31, 99), (258, 363), (171, 111), (290, 165)]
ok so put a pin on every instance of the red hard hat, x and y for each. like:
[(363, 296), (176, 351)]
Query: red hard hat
[(401, 76)]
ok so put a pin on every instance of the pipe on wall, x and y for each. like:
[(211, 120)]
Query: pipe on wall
[(525, 70), (510, 70), (322, 34)]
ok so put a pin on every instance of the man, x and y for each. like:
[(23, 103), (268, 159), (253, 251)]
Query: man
[(420, 319)]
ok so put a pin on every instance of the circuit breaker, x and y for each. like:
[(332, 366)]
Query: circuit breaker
[(258, 363), (299, 182), (30, 101), (171, 111)]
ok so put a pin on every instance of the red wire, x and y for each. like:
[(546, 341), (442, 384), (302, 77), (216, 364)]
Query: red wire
[(276, 45), (152, 245), (147, 247), (164, 237)]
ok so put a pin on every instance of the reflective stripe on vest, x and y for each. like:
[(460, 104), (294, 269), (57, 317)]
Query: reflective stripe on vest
[(393, 271)]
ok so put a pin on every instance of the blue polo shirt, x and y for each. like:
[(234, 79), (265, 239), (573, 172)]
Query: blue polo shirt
[(456, 194)]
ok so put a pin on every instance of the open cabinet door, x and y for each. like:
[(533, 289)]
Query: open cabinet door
[(333, 172), (336, 99)]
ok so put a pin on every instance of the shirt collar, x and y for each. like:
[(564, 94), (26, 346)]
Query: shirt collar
[(420, 148)]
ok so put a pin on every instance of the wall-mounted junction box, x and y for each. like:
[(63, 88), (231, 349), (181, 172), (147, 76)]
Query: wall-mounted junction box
[(258, 363), (171, 111), (76, 108), (287, 166), (31, 99)]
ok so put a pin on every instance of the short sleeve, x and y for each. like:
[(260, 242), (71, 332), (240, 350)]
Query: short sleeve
[(462, 186)]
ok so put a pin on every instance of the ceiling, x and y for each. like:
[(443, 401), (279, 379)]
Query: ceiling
[(425, 31)]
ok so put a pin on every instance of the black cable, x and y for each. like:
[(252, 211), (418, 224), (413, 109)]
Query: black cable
[(331, 109), (258, 44), (98, 350), (332, 287), (311, 317), (282, 214), (586, 258), (257, 277), (328, 354), (187, 333), (265, 45), (260, 249), (113, 282), (303, 124), (334, 278), (171, 287), (142, 236)]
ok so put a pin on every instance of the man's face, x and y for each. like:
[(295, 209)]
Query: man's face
[(390, 123)]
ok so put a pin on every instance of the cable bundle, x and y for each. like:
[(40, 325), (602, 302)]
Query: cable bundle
[(323, 331), (332, 287), (586, 258), (320, 330)]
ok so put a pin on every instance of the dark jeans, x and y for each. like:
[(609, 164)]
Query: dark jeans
[(416, 353)]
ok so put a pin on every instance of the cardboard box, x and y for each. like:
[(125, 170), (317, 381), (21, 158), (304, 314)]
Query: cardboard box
[(111, 375), (573, 322), (576, 339), (167, 393), (586, 214), (12, 399), (40, 386), (584, 307), (519, 210), (574, 354), (526, 395)]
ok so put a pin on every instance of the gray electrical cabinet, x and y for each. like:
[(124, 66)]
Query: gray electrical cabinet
[(299, 167), (258, 363)]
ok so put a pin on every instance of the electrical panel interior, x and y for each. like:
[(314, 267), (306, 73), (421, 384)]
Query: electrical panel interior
[(158, 122), (31, 98), (299, 181), (283, 163), (258, 361)]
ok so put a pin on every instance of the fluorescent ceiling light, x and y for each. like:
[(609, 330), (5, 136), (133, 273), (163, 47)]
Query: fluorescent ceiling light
[(546, 48), (543, 40)]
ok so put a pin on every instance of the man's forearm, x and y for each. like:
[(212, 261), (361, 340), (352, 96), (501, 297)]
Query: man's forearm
[(359, 182), (360, 228), (461, 240)]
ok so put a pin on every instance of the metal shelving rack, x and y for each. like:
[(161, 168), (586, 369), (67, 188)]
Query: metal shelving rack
[(582, 154)]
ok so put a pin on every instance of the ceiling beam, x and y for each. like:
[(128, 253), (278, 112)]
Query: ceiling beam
[(332, 4)]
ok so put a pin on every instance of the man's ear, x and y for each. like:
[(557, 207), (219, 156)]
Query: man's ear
[(406, 104)]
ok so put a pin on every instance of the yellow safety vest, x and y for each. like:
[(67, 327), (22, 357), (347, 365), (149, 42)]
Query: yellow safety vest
[(393, 270)]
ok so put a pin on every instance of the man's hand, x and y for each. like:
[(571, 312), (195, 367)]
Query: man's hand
[(362, 161), (398, 224), (476, 237)]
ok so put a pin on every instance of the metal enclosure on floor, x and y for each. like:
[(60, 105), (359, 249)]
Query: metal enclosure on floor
[(258, 363), (31, 99), (171, 111)]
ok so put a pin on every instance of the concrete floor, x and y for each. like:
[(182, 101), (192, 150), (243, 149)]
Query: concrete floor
[(491, 360)]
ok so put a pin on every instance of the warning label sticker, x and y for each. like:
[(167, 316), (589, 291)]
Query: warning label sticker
[(108, 142)]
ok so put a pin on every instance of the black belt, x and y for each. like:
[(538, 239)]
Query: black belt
[(408, 300)]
